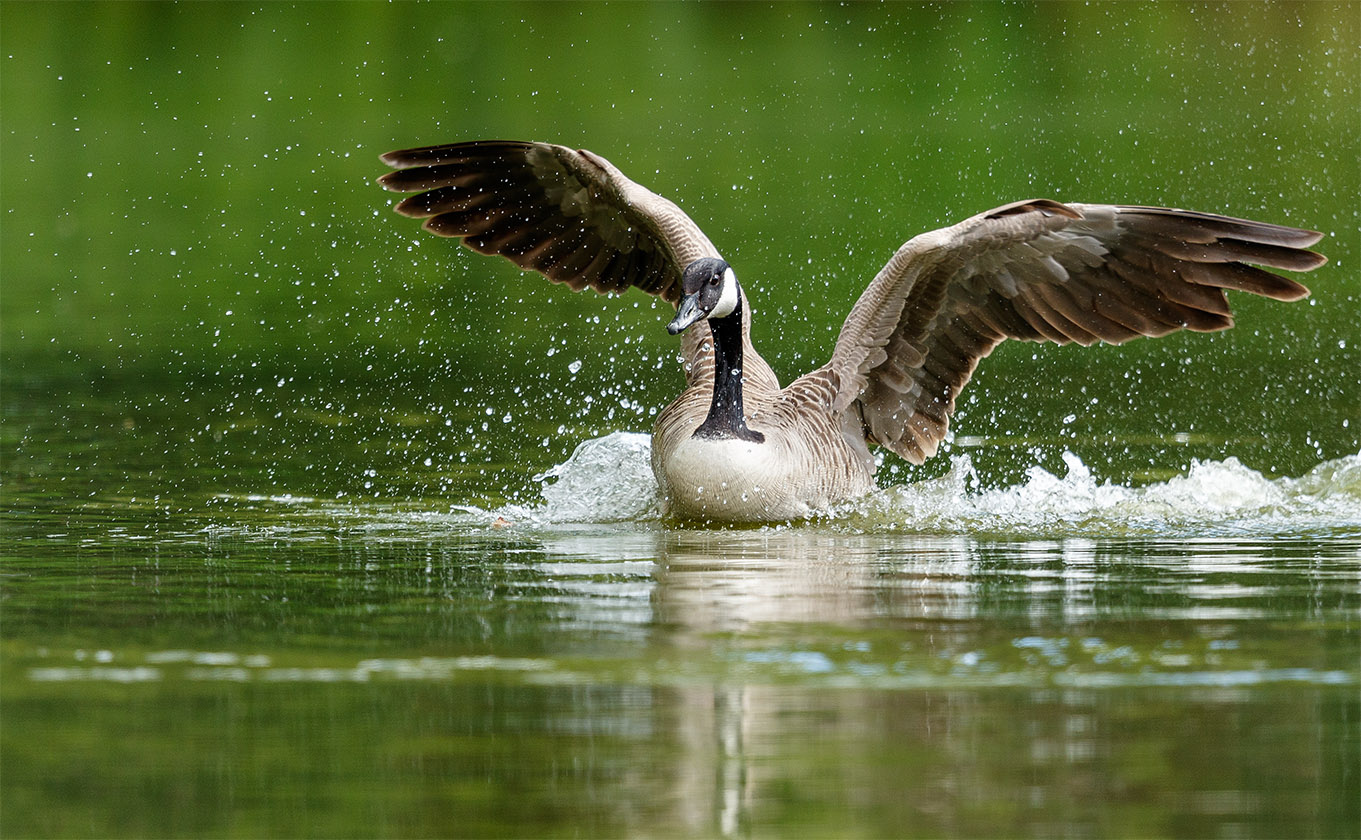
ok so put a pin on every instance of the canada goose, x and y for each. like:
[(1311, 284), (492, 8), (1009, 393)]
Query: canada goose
[(735, 446)]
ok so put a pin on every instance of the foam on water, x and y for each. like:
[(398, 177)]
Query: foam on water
[(609, 479)]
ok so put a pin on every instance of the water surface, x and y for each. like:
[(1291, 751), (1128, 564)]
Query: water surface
[(937, 659)]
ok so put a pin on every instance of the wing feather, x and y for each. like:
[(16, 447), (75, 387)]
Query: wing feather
[(569, 215), (1041, 271)]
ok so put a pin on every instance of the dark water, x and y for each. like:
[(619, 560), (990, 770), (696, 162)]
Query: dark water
[(278, 557)]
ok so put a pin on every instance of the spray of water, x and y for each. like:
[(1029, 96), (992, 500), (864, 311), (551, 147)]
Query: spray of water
[(609, 479)]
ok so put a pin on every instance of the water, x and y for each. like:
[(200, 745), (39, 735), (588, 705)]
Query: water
[(456, 679), (943, 657), (314, 526)]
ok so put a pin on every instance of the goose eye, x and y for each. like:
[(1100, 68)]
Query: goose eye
[(713, 281)]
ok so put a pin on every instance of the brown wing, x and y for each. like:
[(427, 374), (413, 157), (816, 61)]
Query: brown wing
[(1040, 271), (569, 215)]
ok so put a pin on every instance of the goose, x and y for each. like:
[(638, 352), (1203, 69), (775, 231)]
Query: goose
[(737, 447)]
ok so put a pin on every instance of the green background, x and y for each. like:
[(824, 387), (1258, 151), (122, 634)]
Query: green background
[(189, 207)]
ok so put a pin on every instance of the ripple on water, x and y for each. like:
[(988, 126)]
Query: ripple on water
[(1031, 662)]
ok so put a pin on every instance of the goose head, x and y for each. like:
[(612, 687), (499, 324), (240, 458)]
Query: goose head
[(708, 290)]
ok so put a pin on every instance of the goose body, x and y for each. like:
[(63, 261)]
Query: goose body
[(807, 461), (735, 445)]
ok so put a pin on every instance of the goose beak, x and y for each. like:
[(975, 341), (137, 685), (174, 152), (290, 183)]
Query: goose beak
[(687, 313)]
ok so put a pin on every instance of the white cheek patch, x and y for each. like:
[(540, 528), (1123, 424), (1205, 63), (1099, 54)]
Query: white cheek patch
[(727, 300)]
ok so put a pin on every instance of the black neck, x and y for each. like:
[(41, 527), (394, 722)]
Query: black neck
[(725, 418)]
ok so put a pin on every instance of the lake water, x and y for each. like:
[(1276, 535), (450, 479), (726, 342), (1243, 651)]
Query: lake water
[(314, 526), (1055, 656)]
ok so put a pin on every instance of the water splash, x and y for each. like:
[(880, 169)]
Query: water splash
[(609, 479), (606, 479), (1223, 497)]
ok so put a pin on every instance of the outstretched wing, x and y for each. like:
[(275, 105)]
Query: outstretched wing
[(1040, 271), (569, 215)]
